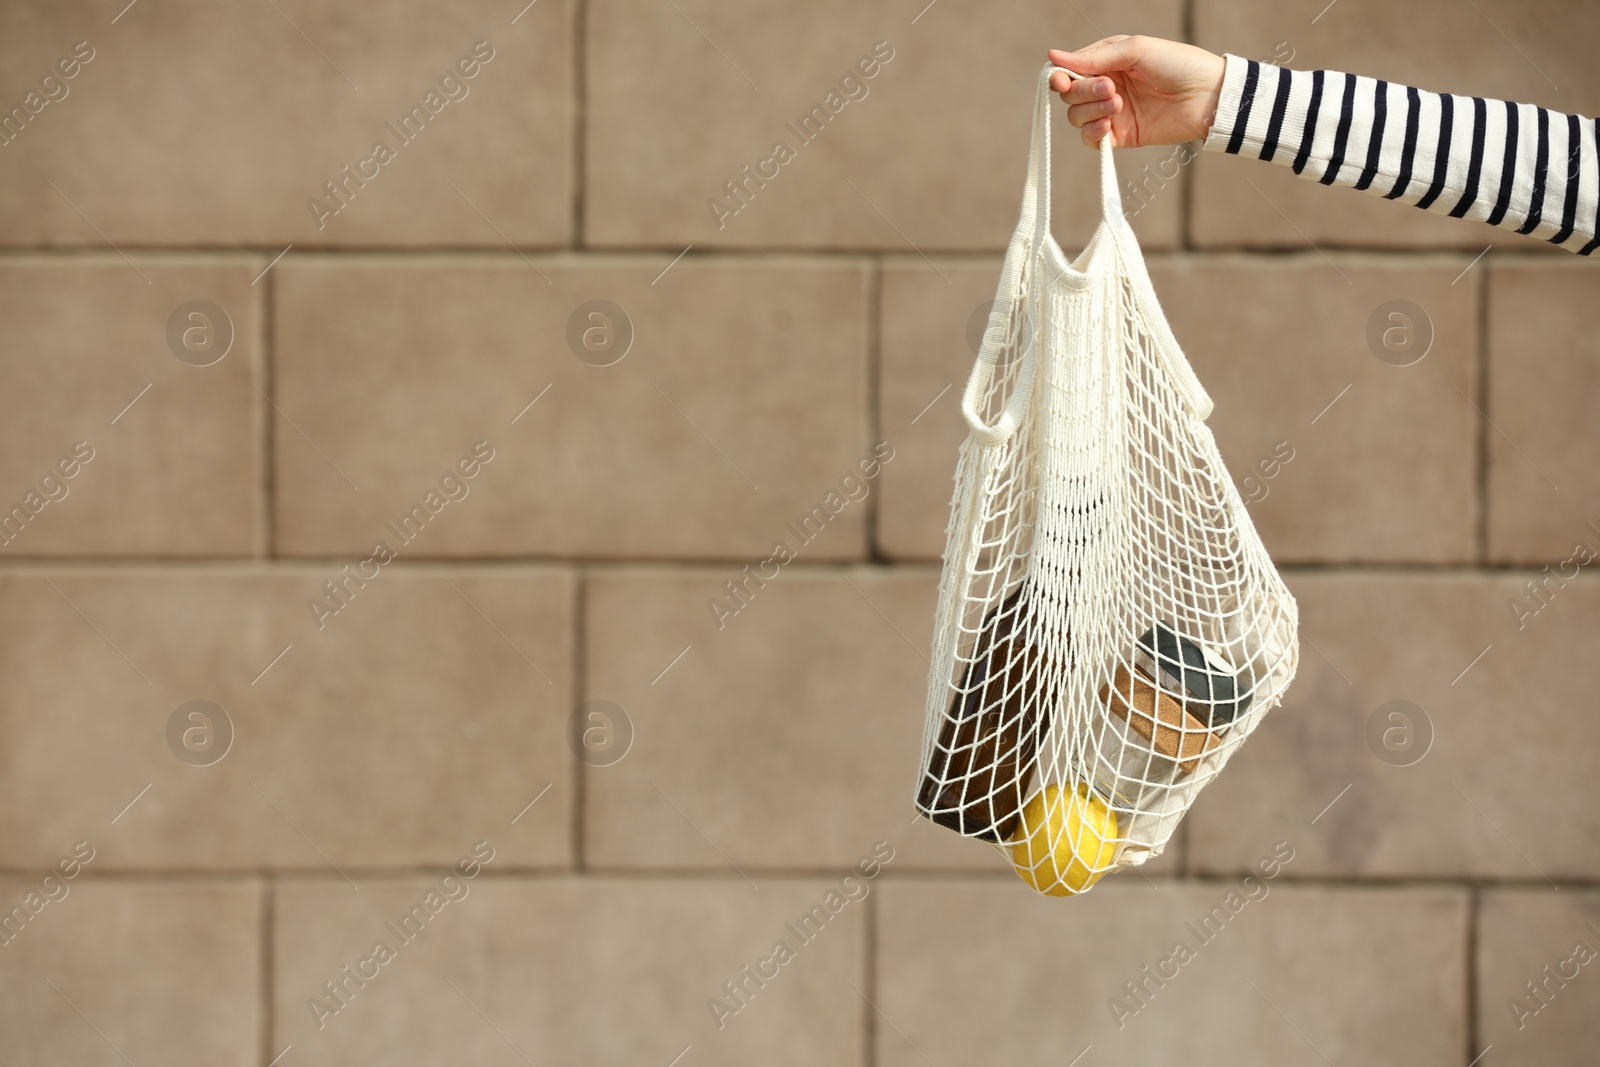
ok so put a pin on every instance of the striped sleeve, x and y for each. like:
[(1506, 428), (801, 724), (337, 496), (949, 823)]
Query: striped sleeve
[(1517, 166)]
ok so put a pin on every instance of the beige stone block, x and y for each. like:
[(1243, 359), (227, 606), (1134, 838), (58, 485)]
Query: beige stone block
[(164, 453), (1269, 974), (1544, 384), (592, 972), (1382, 460), (734, 401), (197, 124), (787, 737), (1538, 997), (931, 155), (1503, 789), (118, 972), (1383, 463), (428, 713)]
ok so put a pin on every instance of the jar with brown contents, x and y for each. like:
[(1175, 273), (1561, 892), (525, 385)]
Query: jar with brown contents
[(976, 779)]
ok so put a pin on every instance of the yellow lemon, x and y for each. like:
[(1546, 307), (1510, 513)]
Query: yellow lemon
[(1066, 840)]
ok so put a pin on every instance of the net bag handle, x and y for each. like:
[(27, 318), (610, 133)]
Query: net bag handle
[(1036, 193), (1035, 225)]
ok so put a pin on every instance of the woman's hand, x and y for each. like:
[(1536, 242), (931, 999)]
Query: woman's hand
[(1142, 90)]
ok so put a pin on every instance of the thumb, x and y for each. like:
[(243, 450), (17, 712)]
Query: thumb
[(1103, 57)]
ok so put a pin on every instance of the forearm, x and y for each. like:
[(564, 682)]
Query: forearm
[(1512, 165)]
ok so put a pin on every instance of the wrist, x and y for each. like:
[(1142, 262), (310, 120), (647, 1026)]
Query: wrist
[(1215, 71)]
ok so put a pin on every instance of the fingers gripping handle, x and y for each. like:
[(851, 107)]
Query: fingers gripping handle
[(1036, 225)]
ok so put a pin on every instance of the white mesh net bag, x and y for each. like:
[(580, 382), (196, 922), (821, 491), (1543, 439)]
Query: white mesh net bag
[(1109, 627)]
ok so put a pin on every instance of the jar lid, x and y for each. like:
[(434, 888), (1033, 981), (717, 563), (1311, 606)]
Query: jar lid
[(1205, 681)]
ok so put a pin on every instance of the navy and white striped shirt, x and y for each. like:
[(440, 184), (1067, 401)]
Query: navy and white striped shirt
[(1507, 164)]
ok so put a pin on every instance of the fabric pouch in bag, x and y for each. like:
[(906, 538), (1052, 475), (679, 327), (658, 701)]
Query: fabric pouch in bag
[(1109, 628)]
